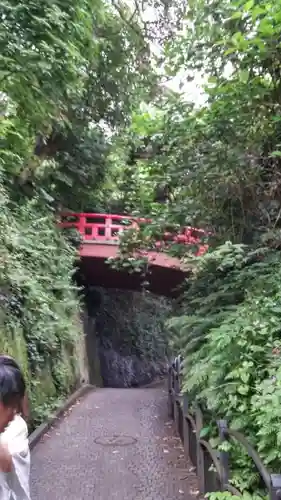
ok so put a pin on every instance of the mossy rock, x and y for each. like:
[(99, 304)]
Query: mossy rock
[(15, 346), (65, 371), (42, 387)]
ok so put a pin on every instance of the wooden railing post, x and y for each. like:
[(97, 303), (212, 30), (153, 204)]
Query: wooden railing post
[(170, 393), (275, 492), (224, 455), (186, 436), (177, 389), (177, 380), (199, 451)]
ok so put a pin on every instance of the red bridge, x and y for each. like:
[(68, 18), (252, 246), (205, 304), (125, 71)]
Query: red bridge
[(100, 241)]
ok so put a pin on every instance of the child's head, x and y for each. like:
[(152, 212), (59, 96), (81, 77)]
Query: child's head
[(12, 390)]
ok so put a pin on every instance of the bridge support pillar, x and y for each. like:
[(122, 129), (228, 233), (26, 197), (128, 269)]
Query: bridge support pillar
[(92, 350)]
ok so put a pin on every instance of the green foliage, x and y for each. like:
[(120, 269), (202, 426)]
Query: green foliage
[(38, 303), (64, 92), (74, 136), (228, 331), (70, 77), (228, 326), (221, 165), (226, 495), (76, 177)]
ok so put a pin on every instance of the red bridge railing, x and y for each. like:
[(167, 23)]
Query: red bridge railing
[(107, 228)]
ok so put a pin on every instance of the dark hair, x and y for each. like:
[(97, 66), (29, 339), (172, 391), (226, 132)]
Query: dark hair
[(8, 361), (12, 384)]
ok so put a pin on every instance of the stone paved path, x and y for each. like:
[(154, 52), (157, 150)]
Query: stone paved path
[(76, 462)]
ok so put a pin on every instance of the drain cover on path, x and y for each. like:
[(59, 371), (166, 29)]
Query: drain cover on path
[(115, 440)]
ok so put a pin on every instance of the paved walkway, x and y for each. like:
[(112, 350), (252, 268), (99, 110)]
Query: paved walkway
[(113, 444)]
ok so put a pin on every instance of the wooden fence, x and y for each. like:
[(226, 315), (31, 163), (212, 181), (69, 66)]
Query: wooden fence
[(213, 468)]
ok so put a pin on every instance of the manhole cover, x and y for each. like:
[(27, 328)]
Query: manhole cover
[(115, 440)]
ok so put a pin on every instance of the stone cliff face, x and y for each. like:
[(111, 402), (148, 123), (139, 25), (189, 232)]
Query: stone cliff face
[(128, 342), (118, 370)]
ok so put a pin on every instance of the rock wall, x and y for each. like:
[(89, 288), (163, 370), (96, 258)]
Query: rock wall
[(39, 305), (130, 336), (118, 370)]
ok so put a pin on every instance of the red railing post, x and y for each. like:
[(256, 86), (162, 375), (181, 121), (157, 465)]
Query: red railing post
[(81, 224), (108, 228)]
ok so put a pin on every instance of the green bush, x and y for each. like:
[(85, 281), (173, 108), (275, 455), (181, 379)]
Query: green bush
[(39, 304), (229, 333)]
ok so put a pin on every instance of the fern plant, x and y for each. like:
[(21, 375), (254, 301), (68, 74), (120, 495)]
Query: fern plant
[(228, 330)]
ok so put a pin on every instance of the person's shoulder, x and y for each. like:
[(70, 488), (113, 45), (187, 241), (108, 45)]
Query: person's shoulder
[(16, 429), (15, 437)]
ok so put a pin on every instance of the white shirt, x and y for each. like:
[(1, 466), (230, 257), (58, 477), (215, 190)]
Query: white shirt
[(14, 485)]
